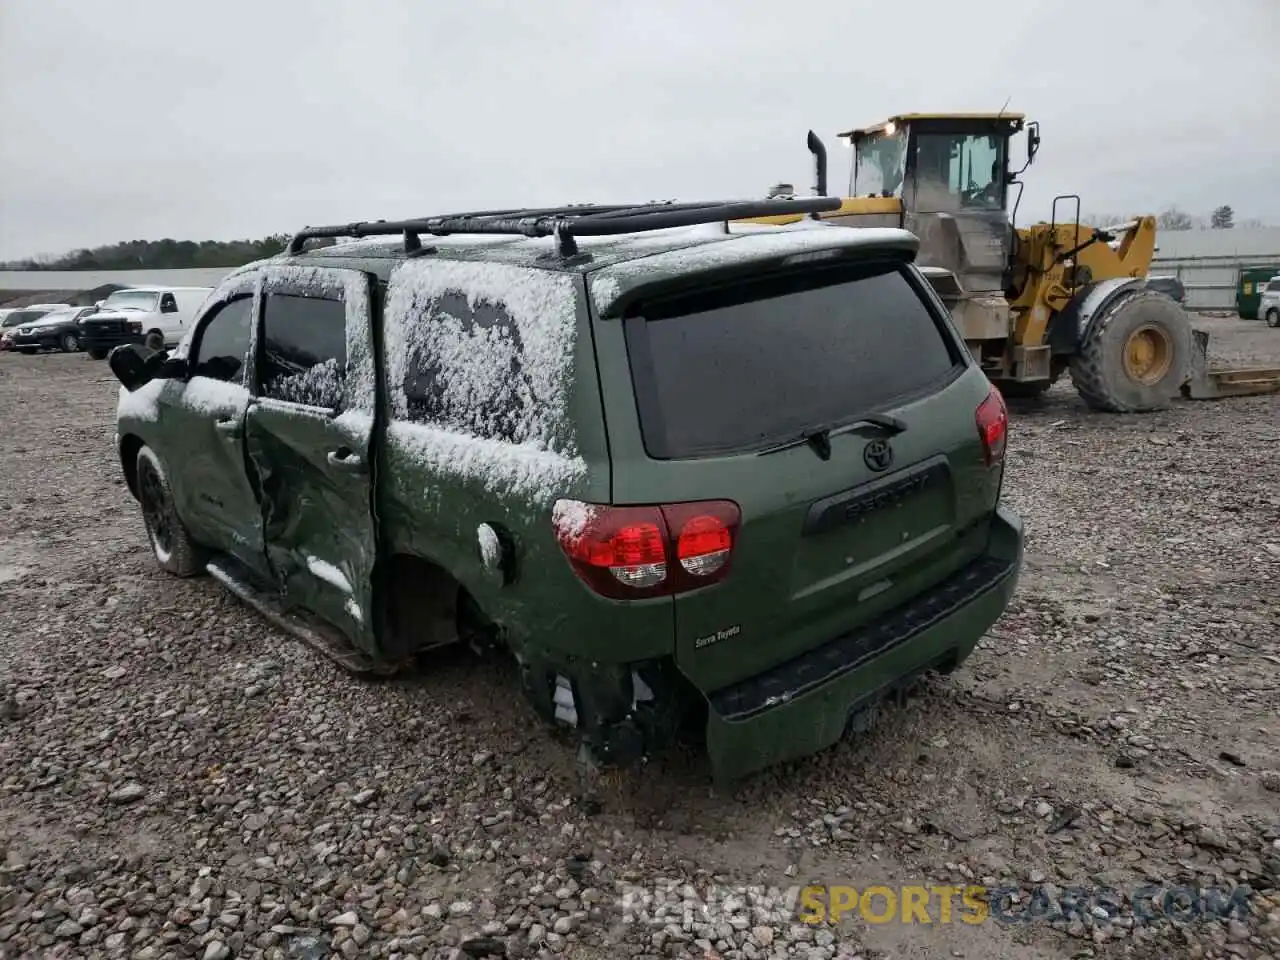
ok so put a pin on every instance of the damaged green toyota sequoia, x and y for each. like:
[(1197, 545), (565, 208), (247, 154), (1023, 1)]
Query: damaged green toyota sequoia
[(693, 474)]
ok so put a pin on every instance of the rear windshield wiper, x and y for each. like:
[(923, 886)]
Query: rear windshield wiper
[(820, 437)]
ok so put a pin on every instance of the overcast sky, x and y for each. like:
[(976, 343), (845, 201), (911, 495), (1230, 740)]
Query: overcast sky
[(143, 119)]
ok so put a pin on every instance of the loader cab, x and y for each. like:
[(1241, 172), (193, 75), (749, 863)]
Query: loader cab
[(951, 174)]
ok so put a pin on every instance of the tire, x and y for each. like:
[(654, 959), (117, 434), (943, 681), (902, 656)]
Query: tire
[(69, 343), (155, 340), (1136, 355), (1273, 318), (96, 353), (174, 550)]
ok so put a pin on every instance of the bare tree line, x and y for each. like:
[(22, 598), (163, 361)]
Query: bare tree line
[(1175, 218)]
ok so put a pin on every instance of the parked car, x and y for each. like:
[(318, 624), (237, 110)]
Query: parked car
[(745, 480), (1171, 287), (1269, 305), (24, 315), (156, 316), (56, 330)]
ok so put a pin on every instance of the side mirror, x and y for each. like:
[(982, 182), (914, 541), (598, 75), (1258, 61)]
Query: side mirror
[(1033, 140), (134, 365)]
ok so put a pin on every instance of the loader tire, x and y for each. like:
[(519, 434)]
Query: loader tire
[(1135, 356)]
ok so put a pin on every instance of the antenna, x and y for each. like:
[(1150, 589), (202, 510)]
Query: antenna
[(1005, 107)]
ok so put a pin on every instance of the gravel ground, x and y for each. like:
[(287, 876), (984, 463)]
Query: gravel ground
[(177, 779)]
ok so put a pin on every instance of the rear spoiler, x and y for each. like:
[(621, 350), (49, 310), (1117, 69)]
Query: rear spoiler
[(615, 287)]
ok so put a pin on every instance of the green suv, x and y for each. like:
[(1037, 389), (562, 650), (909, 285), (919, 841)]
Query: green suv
[(694, 474)]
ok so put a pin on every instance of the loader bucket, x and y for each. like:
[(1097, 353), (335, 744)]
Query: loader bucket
[(1208, 383)]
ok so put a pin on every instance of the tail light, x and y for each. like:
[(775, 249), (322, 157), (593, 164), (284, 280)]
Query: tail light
[(629, 553), (993, 427)]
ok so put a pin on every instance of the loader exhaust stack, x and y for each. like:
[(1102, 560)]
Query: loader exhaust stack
[(819, 152)]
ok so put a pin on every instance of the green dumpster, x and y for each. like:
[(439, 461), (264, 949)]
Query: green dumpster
[(1249, 291)]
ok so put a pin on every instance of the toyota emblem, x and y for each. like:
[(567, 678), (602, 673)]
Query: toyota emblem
[(878, 455)]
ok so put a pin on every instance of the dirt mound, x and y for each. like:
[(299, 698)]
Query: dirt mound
[(78, 298)]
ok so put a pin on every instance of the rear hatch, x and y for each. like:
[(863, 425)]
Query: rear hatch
[(835, 407)]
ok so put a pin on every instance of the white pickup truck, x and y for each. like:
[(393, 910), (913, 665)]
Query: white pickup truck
[(1269, 305), (156, 316)]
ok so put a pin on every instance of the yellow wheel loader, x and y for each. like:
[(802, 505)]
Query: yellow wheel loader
[(1032, 301)]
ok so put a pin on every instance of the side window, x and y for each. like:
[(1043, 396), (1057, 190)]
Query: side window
[(1273, 286), (223, 342), (304, 350), (464, 370), (168, 304)]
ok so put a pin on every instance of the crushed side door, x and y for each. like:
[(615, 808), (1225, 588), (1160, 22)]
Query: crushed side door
[(309, 434)]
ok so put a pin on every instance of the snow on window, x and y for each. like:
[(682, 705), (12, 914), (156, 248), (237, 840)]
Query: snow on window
[(209, 397), (352, 288), (329, 573), (317, 386), (526, 335)]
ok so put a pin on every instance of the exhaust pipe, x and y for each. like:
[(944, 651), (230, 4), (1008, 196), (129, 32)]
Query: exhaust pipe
[(820, 165)]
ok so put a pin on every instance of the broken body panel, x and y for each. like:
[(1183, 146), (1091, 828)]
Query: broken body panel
[(786, 585)]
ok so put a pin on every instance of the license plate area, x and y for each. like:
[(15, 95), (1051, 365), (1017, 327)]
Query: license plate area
[(872, 529), (930, 480)]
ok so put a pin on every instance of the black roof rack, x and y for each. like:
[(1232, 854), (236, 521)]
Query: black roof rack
[(564, 223)]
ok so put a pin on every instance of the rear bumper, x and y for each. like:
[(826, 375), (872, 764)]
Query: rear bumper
[(804, 705)]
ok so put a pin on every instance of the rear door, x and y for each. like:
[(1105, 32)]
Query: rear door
[(309, 432), (836, 531)]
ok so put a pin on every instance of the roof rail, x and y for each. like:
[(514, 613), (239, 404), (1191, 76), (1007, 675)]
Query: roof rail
[(564, 223)]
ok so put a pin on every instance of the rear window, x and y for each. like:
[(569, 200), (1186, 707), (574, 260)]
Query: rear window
[(738, 367)]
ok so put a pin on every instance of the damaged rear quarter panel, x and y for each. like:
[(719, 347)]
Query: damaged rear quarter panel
[(438, 485)]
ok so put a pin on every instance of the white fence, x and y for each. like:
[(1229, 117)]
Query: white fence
[(1208, 262), (1211, 282), (88, 279)]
